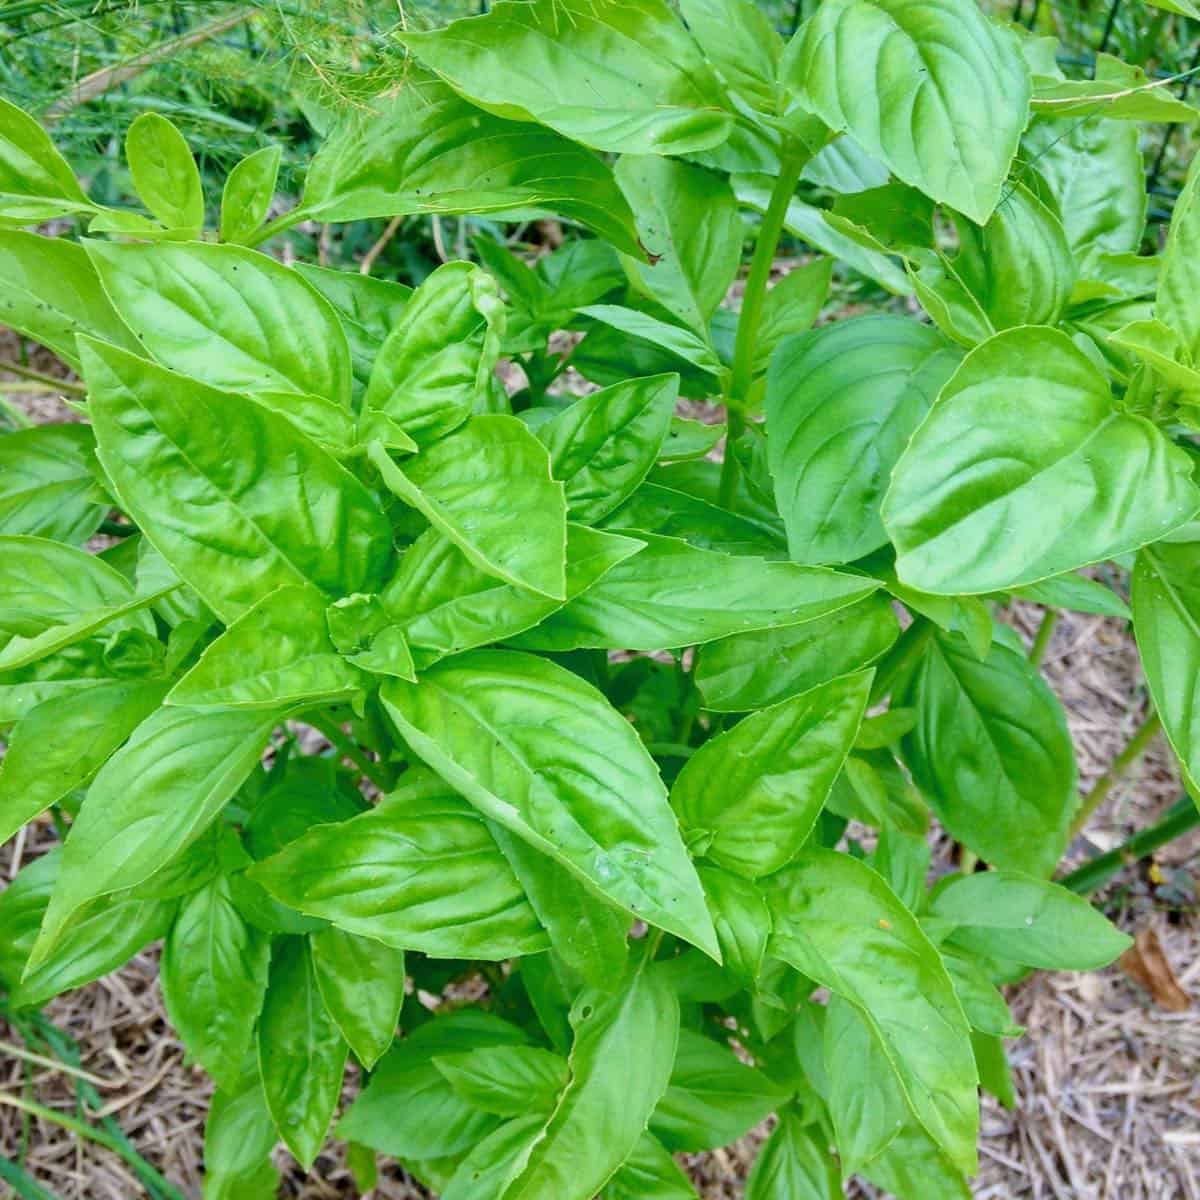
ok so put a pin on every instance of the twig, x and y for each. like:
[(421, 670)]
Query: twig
[(346, 747), (16, 368), (1100, 789), (380, 245)]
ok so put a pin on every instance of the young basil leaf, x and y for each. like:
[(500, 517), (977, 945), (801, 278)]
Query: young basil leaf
[(794, 1164), (165, 173), (687, 439), (506, 1080), (59, 744), (603, 445), (1176, 303), (544, 754), (260, 509), (227, 316), (213, 978), (426, 150), (688, 220), (750, 795), (956, 150), (301, 1054), (238, 1139), (649, 1173), (47, 488), (488, 488), (991, 751), (52, 291), (420, 872), (619, 77), (753, 670), (976, 505), (361, 982), (683, 343), (435, 366), (1008, 915), (791, 306), (153, 798), (672, 594), (839, 923), (277, 652), (873, 379), (1076, 593), (620, 1066), (249, 190), (35, 182)]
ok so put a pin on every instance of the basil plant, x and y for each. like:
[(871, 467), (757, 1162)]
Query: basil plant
[(577, 888)]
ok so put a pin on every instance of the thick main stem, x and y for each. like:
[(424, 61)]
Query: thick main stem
[(1132, 752), (741, 376)]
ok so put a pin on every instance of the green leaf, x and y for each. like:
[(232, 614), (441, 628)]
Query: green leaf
[(35, 182), (792, 305), (672, 594), (420, 872), (754, 670), (426, 150), (619, 77), (1117, 91), (981, 999), (435, 367), (688, 221), (58, 745), (977, 505), (239, 1136), (446, 604), (690, 347), (602, 446), (249, 190), (542, 753), (506, 1080), (753, 793), (227, 316), (713, 1097), (737, 38), (301, 1054), (47, 488), (484, 1170), (837, 922), (1166, 623), (649, 1173), (1076, 593), (620, 1065), (362, 984), (991, 752), (1009, 915), (49, 291), (488, 488), (213, 978), (276, 653), (794, 1164), (741, 919), (165, 173), (151, 800), (258, 509), (1177, 284), (842, 403), (948, 100)]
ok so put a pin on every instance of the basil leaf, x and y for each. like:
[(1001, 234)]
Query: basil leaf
[(1177, 284), (738, 39), (238, 1139), (649, 1173), (35, 182), (165, 173), (1076, 593), (685, 344), (249, 190), (506, 1080), (541, 752), (792, 304), (47, 488), (794, 1164)]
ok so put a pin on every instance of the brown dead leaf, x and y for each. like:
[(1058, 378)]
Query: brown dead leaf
[(1145, 963)]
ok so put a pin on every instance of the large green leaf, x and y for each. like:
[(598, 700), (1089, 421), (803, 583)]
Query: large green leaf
[(151, 800), (751, 795), (213, 978), (51, 291), (259, 508), (839, 923), (1176, 303), (842, 403), (1166, 622), (228, 316), (623, 77), (419, 872), (544, 754), (1012, 916), (603, 445), (301, 1054), (435, 367), (35, 182), (990, 751), (47, 486), (426, 150), (488, 488), (793, 1164), (620, 1065), (689, 223), (938, 91), (977, 504), (673, 594)]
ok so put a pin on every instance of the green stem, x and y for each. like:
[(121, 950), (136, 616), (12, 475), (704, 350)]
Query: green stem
[(1045, 632), (1132, 752), (741, 376), (346, 747), (670, 749), (61, 385), (281, 224), (1180, 819)]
